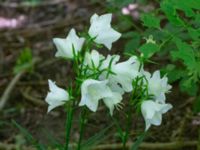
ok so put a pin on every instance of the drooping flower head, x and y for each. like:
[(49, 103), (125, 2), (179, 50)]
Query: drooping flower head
[(92, 91), (157, 86), (66, 46), (123, 72), (101, 30), (56, 97), (152, 112), (113, 100)]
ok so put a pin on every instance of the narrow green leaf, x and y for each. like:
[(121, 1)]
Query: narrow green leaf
[(24, 61), (138, 141), (97, 138), (52, 140), (28, 136)]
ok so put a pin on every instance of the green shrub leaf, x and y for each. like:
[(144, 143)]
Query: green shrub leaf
[(149, 49), (150, 20)]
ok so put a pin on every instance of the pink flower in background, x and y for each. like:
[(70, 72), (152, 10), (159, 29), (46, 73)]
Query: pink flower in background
[(132, 6), (11, 23), (134, 10), (125, 11), (131, 9)]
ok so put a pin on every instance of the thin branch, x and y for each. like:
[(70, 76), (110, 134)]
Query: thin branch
[(42, 27), (26, 94), (11, 85), (9, 89)]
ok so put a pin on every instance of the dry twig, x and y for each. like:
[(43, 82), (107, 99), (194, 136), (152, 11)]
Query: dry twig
[(40, 28), (32, 99), (9, 89)]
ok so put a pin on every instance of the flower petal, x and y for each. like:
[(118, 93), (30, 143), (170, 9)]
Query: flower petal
[(92, 91), (101, 30), (56, 97), (152, 112), (66, 46), (113, 100)]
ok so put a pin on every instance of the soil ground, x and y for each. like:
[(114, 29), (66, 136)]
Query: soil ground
[(42, 23)]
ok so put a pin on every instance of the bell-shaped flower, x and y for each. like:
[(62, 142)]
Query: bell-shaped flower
[(157, 86), (115, 98), (109, 62), (152, 112), (92, 91), (93, 59), (101, 30), (67, 47), (56, 97), (125, 72), (112, 101)]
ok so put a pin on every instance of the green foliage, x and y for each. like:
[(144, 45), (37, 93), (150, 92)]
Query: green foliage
[(173, 73), (133, 41), (170, 11), (175, 26), (184, 53), (185, 41), (150, 20), (148, 49), (24, 61), (194, 33)]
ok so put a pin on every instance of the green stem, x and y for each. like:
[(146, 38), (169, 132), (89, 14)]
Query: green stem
[(82, 125), (68, 125), (128, 127)]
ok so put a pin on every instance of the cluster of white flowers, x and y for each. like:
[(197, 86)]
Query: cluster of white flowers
[(105, 78), (153, 108), (113, 81)]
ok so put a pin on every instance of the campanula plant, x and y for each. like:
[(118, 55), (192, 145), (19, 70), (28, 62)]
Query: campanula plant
[(107, 79)]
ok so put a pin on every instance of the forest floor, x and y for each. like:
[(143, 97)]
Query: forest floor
[(35, 28)]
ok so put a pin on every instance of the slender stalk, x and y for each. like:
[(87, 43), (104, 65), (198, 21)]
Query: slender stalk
[(68, 125), (82, 126), (128, 126)]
